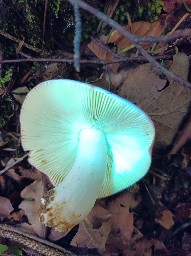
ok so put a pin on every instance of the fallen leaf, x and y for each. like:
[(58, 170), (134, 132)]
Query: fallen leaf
[(98, 215), (115, 243), (117, 212), (166, 106), (33, 174), (89, 237), (20, 93), (6, 208), (143, 247), (170, 5), (122, 215), (32, 195), (172, 103), (166, 219), (99, 48), (139, 28)]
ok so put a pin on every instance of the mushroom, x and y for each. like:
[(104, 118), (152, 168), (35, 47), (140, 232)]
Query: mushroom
[(90, 142)]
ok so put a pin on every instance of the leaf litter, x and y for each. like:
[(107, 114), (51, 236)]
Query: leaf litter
[(148, 219)]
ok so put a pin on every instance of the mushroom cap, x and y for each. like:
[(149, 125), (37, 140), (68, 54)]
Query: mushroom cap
[(54, 113)]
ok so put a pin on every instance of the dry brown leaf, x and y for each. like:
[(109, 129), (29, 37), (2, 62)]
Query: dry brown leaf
[(6, 208), (122, 216), (166, 107), (20, 93), (117, 212), (107, 221), (89, 237), (166, 219), (24, 173), (170, 5), (31, 205), (98, 215), (139, 28), (33, 174), (145, 247), (98, 47), (170, 107)]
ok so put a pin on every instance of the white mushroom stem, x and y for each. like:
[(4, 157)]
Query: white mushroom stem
[(68, 204)]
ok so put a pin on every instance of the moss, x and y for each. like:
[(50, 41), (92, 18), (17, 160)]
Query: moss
[(120, 14), (24, 19), (6, 78), (138, 10), (6, 111)]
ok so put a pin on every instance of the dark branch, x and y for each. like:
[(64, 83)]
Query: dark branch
[(94, 61), (77, 38), (133, 39)]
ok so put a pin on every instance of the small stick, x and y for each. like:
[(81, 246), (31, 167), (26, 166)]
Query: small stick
[(20, 159), (32, 242), (77, 38)]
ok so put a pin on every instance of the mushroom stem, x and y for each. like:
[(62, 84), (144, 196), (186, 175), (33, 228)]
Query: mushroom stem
[(68, 204)]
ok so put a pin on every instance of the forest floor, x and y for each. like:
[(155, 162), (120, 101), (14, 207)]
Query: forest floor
[(153, 217)]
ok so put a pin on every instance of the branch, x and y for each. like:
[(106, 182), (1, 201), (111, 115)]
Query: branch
[(20, 41), (32, 242), (77, 37), (168, 38), (94, 61), (134, 40), (13, 164)]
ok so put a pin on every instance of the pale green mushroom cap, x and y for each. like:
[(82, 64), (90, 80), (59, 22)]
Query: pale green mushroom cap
[(56, 111)]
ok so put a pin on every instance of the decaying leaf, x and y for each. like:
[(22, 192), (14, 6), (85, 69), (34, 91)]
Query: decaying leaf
[(5, 208), (122, 214), (106, 220), (166, 219), (146, 247), (170, 5), (139, 28), (170, 107), (32, 174), (31, 205), (166, 107), (89, 237), (98, 47), (20, 93)]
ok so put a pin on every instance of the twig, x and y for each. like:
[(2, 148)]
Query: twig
[(19, 41), (44, 19), (13, 164), (77, 38), (185, 33), (133, 39), (178, 24), (94, 61), (32, 242)]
